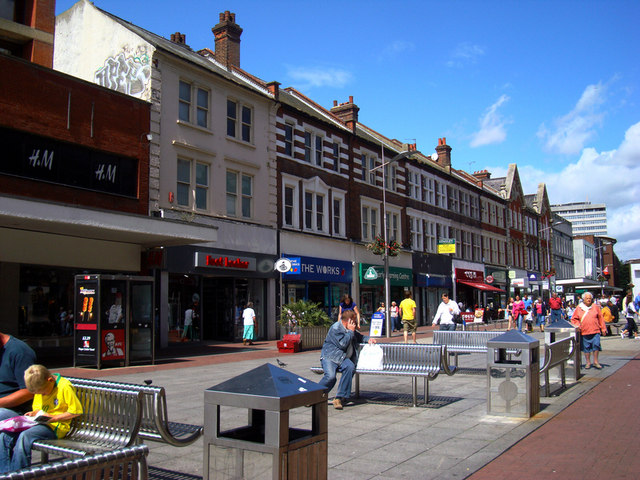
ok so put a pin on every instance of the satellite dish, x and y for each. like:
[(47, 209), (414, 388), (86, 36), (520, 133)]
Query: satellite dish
[(434, 156)]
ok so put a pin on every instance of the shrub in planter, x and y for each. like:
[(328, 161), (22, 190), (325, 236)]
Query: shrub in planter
[(303, 313)]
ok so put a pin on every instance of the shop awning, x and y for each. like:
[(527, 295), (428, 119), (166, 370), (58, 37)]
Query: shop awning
[(482, 286)]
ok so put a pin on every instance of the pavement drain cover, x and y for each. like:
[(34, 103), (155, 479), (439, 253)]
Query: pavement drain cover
[(405, 399)]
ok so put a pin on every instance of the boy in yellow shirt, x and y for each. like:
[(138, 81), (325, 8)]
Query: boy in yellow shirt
[(56, 397)]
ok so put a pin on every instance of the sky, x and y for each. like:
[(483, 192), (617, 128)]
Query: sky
[(553, 86)]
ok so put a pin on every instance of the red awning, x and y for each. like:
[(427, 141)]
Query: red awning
[(481, 286)]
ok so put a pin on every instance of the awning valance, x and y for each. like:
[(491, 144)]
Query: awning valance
[(482, 286)]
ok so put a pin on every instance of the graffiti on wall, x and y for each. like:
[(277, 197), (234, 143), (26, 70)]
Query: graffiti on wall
[(127, 72)]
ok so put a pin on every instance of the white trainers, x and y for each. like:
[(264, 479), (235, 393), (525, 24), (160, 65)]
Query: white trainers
[(622, 335)]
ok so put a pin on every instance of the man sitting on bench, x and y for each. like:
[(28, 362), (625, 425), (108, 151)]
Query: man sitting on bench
[(340, 354)]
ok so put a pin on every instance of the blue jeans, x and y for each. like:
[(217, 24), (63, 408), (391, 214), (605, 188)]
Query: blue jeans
[(519, 322), (7, 413), (448, 326), (15, 448), (555, 315), (331, 369)]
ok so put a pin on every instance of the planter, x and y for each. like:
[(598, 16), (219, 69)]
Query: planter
[(310, 337)]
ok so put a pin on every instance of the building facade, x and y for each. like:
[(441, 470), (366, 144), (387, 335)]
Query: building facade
[(586, 218)]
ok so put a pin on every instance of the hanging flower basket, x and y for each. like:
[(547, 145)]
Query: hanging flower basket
[(377, 247)]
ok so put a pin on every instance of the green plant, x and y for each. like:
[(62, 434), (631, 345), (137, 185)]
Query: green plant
[(377, 247), (304, 313)]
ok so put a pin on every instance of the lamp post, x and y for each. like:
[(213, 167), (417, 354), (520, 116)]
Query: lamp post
[(385, 255)]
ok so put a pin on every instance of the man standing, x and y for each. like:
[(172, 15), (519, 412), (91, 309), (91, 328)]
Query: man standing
[(249, 321), (15, 357), (408, 313), (340, 354), (588, 318), (555, 305), (445, 313)]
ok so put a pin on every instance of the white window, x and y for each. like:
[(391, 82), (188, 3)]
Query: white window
[(464, 203), (430, 237), (393, 226), (486, 249), (414, 185), (239, 194), (290, 205), (288, 140), (307, 146), (500, 217), (390, 172), (368, 164), (415, 225), (457, 234), (318, 150), (428, 194), (336, 157), (338, 215), (190, 111), (466, 245), (474, 207), (314, 211), (239, 120), (192, 184), (477, 239), (453, 205), (369, 223), (485, 211), (441, 195)]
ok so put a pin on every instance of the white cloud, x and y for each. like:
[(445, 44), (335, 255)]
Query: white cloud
[(397, 47), (571, 132), (306, 78), (600, 177), (465, 54), (492, 125)]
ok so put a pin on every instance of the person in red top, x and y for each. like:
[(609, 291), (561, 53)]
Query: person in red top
[(519, 312), (555, 305), (588, 318)]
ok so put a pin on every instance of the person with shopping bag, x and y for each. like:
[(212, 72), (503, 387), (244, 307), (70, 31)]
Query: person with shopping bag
[(340, 354)]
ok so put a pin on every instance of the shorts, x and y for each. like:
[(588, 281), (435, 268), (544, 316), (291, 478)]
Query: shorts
[(590, 343), (409, 326)]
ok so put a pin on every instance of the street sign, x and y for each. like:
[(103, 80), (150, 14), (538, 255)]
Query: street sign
[(371, 274)]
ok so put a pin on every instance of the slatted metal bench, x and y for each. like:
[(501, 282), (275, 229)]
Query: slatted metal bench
[(110, 421), (465, 341), (557, 354), (155, 425), (412, 360), (617, 326), (126, 463)]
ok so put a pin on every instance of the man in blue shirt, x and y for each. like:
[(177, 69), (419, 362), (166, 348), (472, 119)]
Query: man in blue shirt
[(528, 301), (16, 356)]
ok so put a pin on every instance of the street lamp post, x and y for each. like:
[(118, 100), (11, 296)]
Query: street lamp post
[(385, 255)]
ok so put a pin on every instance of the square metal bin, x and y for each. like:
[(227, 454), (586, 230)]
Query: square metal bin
[(267, 447), (513, 375), (567, 329)]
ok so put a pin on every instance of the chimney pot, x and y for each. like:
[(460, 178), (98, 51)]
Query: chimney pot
[(350, 98), (335, 103)]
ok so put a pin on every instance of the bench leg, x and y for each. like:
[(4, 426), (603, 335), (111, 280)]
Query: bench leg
[(357, 385), (414, 390), (44, 457)]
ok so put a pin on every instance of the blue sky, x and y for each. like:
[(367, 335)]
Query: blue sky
[(553, 86)]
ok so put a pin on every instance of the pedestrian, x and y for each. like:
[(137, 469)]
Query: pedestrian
[(447, 310), (528, 301), (510, 313), (519, 312), (348, 304), (631, 329), (340, 354), (15, 358), (250, 325), (408, 313), (393, 313), (555, 307), (541, 313), (189, 316), (53, 395), (588, 318), (607, 316)]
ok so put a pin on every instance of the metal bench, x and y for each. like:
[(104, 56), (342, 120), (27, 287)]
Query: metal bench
[(557, 354), (464, 341), (155, 425), (110, 421), (127, 463), (412, 360), (617, 326)]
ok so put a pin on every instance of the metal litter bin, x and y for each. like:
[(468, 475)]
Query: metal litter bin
[(266, 447), (513, 375), (562, 328)]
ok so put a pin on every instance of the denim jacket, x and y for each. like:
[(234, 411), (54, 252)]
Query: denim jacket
[(337, 342)]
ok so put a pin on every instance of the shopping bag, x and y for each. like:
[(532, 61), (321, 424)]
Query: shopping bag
[(370, 357), (17, 424)]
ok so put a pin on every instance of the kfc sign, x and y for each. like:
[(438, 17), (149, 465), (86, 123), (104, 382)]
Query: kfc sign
[(475, 276)]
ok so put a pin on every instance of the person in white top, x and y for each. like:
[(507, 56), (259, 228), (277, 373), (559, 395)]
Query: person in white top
[(249, 320), (445, 313)]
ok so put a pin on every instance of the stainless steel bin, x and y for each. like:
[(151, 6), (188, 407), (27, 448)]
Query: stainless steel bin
[(562, 328), (513, 375), (267, 446)]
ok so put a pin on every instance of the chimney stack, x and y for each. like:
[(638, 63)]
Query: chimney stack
[(444, 153), (179, 38), (274, 89), (347, 113), (482, 175), (227, 36)]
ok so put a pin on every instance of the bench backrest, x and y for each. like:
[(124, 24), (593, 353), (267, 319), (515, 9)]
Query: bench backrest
[(557, 352), (129, 462), (464, 339), (411, 359), (110, 417)]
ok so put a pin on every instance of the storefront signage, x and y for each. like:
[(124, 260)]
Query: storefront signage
[(225, 261), (43, 159), (397, 276), (283, 265), (520, 282), (447, 245), (489, 279), (370, 274), (320, 269), (475, 276)]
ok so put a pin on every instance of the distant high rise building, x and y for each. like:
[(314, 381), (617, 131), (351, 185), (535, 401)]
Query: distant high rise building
[(586, 218)]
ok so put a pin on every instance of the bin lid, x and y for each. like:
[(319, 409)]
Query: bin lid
[(561, 326), (514, 339), (266, 387)]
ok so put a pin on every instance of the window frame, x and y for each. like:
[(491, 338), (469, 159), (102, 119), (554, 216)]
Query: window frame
[(240, 196), (236, 124), (193, 187), (193, 104)]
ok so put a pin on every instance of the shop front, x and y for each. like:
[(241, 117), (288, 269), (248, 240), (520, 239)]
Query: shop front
[(432, 279), (320, 280), (216, 285), (472, 290), (535, 284), (518, 283), (497, 277), (372, 292)]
